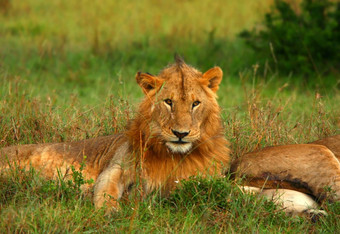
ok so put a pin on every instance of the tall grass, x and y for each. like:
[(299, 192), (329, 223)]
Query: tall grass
[(67, 73), (62, 45), (32, 204)]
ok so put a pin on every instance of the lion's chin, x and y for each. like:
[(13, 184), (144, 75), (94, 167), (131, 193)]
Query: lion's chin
[(180, 148)]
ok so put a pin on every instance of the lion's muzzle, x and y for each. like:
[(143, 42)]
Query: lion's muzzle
[(180, 135), (178, 144)]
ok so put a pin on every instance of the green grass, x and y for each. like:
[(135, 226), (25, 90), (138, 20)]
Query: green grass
[(31, 204), (67, 73)]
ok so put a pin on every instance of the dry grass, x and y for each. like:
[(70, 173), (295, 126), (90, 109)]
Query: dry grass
[(67, 73), (100, 22)]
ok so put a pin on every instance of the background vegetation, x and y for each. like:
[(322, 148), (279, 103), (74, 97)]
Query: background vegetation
[(67, 73), (306, 41)]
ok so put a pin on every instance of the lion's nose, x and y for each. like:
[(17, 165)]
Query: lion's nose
[(180, 135)]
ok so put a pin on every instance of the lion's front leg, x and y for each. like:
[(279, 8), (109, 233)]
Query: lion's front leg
[(109, 187)]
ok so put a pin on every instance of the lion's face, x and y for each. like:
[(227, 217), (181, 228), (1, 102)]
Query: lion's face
[(180, 101)]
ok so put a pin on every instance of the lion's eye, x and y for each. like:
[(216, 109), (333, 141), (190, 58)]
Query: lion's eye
[(168, 101), (195, 103)]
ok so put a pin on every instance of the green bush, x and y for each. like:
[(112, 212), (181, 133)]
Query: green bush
[(304, 43)]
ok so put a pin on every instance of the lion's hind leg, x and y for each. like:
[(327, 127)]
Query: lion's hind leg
[(312, 168), (292, 202)]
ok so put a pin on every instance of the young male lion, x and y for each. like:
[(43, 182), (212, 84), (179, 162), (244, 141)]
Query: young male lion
[(177, 133)]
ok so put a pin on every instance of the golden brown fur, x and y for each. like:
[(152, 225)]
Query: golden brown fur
[(332, 143), (177, 133), (305, 168)]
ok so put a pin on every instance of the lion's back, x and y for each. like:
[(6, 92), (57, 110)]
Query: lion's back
[(94, 153)]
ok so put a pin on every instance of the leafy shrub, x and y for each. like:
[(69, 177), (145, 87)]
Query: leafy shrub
[(305, 43)]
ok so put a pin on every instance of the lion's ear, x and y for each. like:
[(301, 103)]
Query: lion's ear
[(148, 82), (212, 78)]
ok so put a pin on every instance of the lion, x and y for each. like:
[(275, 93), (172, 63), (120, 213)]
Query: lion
[(295, 176), (177, 133)]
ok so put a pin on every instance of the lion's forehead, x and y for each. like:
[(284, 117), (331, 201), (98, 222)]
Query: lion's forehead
[(188, 93), (188, 88), (181, 83)]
